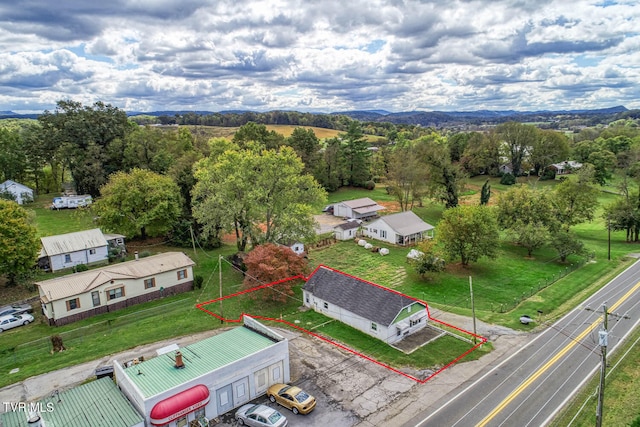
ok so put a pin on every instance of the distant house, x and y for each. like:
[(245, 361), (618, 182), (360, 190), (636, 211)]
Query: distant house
[(565, 167), (21, 193), (404, 228), (296, 246), (359, 208), (375, 310), (77, 296), (346, 231), (71, 249)]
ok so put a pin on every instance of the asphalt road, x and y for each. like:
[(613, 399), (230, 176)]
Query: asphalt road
[(531, 386)]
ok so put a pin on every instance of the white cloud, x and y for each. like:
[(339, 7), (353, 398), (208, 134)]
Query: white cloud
[(321, 56)]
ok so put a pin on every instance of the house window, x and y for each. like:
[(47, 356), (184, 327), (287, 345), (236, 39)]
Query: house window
[(181, 422), (306, 298), (67, 258), (383, 234), (182, 274), (115, 293), (92, 251), (374, 327), (326, 305), (150, 283), (72, 304), (95, 296)]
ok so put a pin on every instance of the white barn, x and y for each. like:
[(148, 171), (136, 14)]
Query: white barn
[(357, 209), (404, 228), (375, 310), (68, 250), (21, 193), (208, 378)]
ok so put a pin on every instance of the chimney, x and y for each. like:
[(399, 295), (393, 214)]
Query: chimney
[(34, 420), (179, 362), (135, 254)]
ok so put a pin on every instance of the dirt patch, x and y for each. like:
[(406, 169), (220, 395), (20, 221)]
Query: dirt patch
[(390, 207)]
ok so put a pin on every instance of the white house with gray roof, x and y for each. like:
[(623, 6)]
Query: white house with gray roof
[(81, 295), (68, 250), (373, 309), (201, 381), (20, 192), (404, 228)]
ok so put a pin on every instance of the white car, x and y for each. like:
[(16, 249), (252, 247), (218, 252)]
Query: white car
[(260, 416), (9, 322)]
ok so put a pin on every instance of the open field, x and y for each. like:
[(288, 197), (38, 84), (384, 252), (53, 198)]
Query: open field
[(207, 132)]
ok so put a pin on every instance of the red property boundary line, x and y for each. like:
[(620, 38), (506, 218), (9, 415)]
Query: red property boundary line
[(482, 339)]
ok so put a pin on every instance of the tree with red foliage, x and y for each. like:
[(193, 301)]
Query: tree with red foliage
[(270, 263)]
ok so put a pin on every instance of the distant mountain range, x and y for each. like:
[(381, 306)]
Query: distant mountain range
[(423, 118)]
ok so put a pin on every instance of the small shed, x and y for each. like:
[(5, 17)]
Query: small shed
[(346, 231)]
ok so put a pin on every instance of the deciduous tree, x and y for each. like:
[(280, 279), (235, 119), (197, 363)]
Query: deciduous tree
[(518, 140), (140, 203), (20, 243), (261, 195), (270, 263), (469, 233)]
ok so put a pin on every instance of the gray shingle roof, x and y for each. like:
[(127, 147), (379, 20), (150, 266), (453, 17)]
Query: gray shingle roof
[(349, 225), (373, 302)]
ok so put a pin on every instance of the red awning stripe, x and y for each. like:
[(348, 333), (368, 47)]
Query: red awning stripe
[(178, 405)]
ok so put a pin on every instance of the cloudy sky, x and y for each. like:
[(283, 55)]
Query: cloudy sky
[(320, 55)]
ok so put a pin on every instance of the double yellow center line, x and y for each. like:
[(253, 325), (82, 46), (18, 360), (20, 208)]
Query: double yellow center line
[(552, 361)]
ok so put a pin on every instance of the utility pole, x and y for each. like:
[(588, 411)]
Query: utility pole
[(220, 284), (473, 309), (609, 231), (603, 345)]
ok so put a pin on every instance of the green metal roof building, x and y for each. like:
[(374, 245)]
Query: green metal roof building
[(97, 404), (207, 378)]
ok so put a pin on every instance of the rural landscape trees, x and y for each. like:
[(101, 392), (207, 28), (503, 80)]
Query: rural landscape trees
[(263, 187)]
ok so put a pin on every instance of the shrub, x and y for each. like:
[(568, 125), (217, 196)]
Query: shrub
[(370, 185), (144, 254), (80, 267), (508, 179)]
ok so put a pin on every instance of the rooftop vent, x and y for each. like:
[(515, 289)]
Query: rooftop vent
[(179, 362)]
